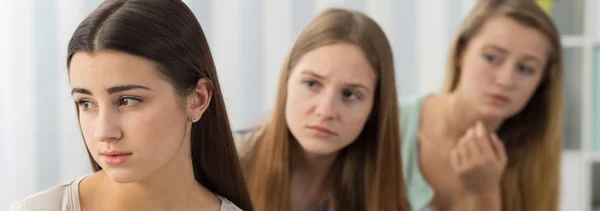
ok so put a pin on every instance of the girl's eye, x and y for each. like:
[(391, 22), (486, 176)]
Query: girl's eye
[(85, 105), (128, 101)]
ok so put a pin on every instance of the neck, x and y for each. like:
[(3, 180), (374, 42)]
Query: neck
[(309, 179), (170, 188), (458, 116), (314, 167)]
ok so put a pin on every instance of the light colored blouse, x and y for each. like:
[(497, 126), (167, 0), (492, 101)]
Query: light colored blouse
[(65, 197), (420, 194)]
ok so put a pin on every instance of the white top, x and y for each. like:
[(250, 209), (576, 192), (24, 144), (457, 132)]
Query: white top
[(65, 197)]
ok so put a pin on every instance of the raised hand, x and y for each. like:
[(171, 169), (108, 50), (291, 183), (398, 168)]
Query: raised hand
[(479, 160)]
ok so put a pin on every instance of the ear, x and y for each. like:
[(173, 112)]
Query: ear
[(199, 100)]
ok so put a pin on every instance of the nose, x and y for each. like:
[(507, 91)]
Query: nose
[(326, 106), (106, 127), (505, 77)]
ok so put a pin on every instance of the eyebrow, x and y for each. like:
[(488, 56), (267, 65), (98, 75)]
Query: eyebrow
[(110, 90), (313, 74), (495, 47), (352, 85), (502, 50)]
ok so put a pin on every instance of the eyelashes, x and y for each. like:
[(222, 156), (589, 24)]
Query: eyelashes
[(86, 104)]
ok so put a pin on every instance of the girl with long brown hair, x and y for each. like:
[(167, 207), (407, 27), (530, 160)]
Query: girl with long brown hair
[(333, 140), (152, 115), (492, 139)]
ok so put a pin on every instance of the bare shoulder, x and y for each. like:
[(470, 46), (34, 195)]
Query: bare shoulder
[(431, 109)]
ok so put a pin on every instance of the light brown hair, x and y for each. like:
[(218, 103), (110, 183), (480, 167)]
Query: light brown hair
[(533, 137), (367, 172)]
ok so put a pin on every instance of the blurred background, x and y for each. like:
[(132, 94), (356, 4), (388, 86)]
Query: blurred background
[(40, 142)]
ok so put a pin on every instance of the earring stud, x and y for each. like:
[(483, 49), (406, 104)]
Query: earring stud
[(194, 119)]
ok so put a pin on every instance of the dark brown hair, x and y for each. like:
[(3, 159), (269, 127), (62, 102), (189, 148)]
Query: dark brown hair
[(167, 32), (533, 137), (367, 173)]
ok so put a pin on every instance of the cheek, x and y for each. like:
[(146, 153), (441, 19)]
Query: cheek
[(527, 90), (87, 129), (472, 73), (87, 124), (297, 100), (478, 70), (293, 96), (356, 118), (153, 131), (294, 108)]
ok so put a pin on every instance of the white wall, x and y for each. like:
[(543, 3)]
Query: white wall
[(597, 22), (18, 102), (572, 186), (6, 155)]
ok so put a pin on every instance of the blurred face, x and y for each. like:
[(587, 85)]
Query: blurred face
[(131, 120), (330, 97), (502, 67)]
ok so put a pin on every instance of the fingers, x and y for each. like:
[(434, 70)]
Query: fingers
[(478, 159), (484, 143), (456, 159), (463, 152), (499, 149), (459, 154), (471, 145), (478, 147)]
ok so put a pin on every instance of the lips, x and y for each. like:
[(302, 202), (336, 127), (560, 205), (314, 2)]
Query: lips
[(321, 130), (115, 153), (499, 99), (115, 158)]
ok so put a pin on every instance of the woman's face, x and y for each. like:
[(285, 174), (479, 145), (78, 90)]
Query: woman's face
[(330, 97), (502, 67), (132, 120)]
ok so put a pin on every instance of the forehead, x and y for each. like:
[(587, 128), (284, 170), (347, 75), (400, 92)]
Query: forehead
[(109, 68), (513, 36), (344, 62)]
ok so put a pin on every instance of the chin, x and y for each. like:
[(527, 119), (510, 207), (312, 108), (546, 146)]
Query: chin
[(319, 147), (123, 175), (490, 112)]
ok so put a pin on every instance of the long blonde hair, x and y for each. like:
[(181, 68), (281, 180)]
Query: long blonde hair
[(533, 138), (368, 173)]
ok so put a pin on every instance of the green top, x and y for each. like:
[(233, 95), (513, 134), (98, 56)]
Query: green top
[(419, 192)]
